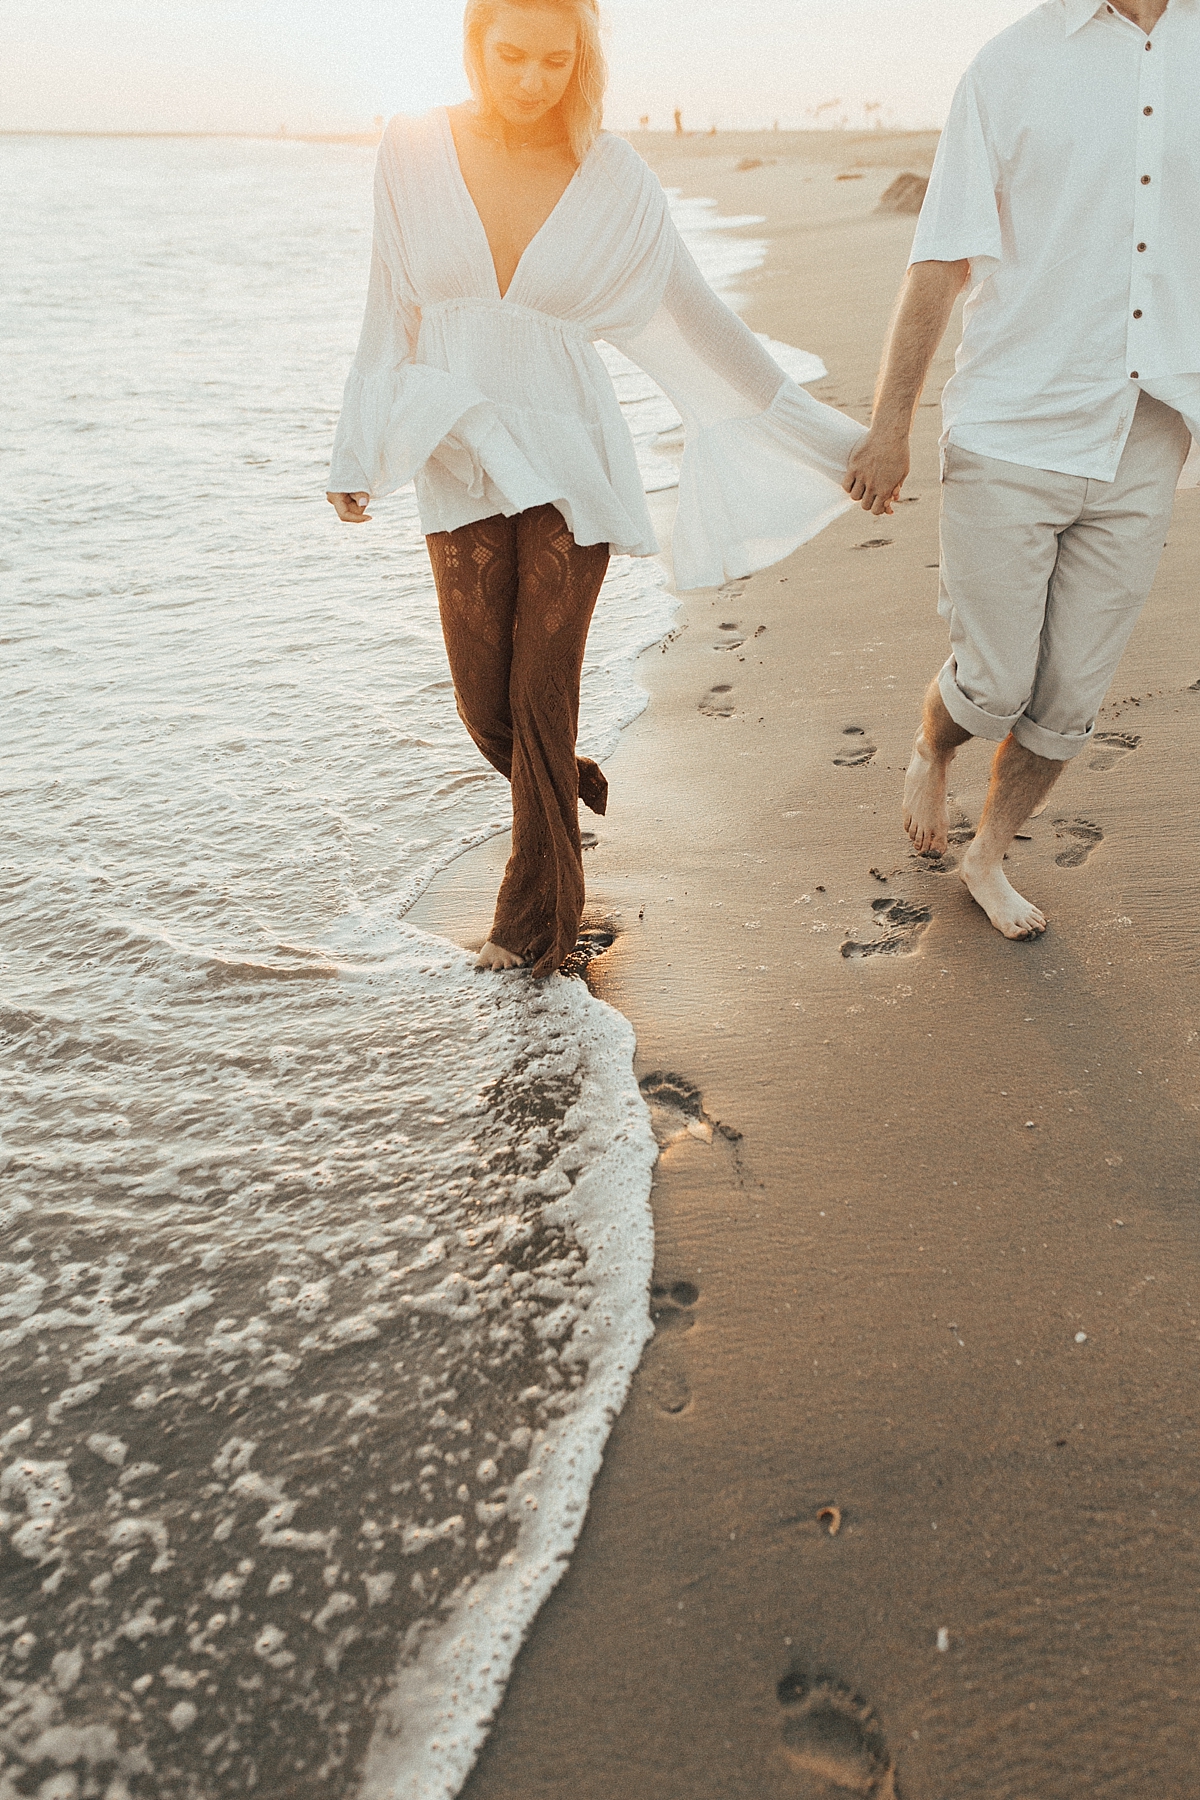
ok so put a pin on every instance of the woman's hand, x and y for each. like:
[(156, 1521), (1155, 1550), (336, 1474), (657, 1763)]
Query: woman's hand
[(350, 508)]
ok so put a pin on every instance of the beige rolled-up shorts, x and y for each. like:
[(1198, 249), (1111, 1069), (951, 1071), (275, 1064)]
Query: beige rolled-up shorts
[(1042, 580)]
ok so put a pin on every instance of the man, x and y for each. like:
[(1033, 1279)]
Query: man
[(1066, 197)]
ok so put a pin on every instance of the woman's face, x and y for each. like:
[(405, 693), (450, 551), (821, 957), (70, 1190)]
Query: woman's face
[(528, 56)]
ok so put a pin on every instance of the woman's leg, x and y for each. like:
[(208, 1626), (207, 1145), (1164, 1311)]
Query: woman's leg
[(541, 899), (475, 571)]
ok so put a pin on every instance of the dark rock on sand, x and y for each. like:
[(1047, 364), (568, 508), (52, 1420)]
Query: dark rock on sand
[(905, 195)]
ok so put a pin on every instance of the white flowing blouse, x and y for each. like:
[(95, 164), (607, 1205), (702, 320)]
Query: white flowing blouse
[(495, 404)]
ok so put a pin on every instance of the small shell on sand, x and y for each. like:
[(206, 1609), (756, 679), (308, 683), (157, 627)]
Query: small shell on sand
[(834, 1515)]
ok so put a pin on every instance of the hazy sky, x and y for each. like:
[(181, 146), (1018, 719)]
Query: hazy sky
[(328, 65)]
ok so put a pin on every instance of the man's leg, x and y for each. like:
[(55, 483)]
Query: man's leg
[(1019, 786), (999, 541), (1105, 568), (926, 819), (1000, 532)]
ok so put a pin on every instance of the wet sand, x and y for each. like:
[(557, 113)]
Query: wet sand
[(926, 1210)]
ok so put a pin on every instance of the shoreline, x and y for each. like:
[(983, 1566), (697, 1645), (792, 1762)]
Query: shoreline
[(926, 1256)]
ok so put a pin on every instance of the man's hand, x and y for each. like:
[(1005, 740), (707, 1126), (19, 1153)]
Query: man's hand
[(350, 508), (878, 470)]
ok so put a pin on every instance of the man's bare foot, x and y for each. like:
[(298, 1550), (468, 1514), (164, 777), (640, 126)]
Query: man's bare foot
[(495, 956), (926, 819), (990, 888)]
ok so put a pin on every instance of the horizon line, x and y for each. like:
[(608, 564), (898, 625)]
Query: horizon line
[(275, 137), (871, 133)]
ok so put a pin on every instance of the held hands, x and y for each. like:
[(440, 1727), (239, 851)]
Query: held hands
[(351, 509), (878, 469)]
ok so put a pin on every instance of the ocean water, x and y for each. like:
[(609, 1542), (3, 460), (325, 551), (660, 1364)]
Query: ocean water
[(324, 1259)]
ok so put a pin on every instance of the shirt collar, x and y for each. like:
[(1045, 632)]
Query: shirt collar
[(1080, 12)]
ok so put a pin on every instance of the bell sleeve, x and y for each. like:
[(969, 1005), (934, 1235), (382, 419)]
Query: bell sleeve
[(763, 461), (395, 410)]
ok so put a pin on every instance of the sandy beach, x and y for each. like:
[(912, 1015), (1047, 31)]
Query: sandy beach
[(925, 1210)]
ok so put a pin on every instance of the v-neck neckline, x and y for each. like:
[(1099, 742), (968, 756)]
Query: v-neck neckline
[(473, 210)]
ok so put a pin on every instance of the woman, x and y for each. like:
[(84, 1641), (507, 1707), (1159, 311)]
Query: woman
[(510, 233)]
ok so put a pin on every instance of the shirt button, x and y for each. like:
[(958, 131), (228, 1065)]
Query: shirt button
[(1137, 313), (1147, 110), (1141, 246), (1133, 374), (1145, 181)]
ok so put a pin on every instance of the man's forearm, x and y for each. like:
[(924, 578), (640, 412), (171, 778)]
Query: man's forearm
[(918, 327), (878, 468)]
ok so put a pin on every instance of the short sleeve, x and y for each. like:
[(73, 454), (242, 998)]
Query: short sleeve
[(960, 219)]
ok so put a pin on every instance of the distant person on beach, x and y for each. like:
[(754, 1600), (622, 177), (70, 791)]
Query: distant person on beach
[(510, 233), (1065, 197)]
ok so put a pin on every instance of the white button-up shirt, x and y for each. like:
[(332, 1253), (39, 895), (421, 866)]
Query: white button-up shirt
[(1069, 175)]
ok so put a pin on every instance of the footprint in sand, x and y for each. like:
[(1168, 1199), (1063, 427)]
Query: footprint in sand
[(1110, 747), (671, 1308), (718, 702), (671, 1305), (903, 927), (667, 1386), (677, 1110), (1086, 836), (873, 544), (676, 1107), (591, 943), (856, 753), (832, 1738), (732, 636)]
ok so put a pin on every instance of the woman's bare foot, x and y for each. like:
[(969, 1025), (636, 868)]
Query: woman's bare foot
[(495, 956), (990, 888), (926, 818)]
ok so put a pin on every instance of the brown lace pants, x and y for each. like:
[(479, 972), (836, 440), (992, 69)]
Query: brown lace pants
[(516, 598)]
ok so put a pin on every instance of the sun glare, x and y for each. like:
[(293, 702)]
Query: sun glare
[(313, 66)]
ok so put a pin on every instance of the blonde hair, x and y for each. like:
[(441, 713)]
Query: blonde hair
[(583, 103)]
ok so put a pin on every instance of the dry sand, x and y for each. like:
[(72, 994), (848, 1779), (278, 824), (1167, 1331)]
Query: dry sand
[(937, 1266)]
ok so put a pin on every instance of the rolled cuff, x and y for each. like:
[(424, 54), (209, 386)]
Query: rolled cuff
[(1055, 746), (964, 712)]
